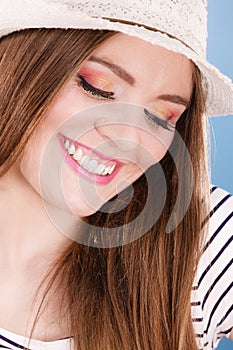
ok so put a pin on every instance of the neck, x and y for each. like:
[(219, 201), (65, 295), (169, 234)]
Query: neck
[(27, 232)]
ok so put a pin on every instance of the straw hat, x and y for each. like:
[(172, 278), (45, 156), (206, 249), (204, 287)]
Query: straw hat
[(178, 25)]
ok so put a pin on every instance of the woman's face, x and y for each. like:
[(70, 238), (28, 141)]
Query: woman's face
[(111, 121)]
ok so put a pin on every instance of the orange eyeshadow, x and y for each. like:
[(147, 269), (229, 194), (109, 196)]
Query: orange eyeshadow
[(96, 78), (163, 112)]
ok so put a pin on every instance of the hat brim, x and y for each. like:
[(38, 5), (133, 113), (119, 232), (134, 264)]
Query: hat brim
[(218, 87)]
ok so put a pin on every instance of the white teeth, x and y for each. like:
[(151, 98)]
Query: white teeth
[(96, 170), (103, 172), (106, 170), (67, 144), (111, 169), (71, 149), (78, 154), (84, 161), (100, 168), (92, 165)]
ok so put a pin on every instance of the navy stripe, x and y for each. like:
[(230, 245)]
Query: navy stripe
[(225, 317), (219, 204), (214, 260), (217, 231), (212, 189), (214, 283), (198, 335), (200, 319), (217, 304), (195, 303), (226, 332), (13, 343)]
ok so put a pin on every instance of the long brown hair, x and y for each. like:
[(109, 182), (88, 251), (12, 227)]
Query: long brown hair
[(134, 296)]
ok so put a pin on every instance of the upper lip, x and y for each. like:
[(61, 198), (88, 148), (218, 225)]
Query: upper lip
[(93, 151)]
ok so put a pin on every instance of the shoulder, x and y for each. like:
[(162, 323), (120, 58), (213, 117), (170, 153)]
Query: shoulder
[(213, 288), (10, 340), (221, 202), (220, 230), (217, 247), (219, 240)]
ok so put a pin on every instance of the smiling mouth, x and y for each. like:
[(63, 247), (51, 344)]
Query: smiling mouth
[(90, 163)]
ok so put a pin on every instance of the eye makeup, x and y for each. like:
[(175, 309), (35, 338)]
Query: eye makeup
[(157, 121), (166, 111), (93, 91), (97, 78), (97, 85)]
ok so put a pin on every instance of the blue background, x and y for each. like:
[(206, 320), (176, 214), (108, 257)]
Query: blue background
[(220, 53)]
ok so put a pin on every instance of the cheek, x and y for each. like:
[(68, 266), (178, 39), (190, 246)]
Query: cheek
[(33, 154), (38, 146), (69, 103), (153, 148), (31, 159)]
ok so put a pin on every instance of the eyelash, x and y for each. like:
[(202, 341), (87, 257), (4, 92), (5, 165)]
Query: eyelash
[(94, 92), (157, 121), (103, 95)]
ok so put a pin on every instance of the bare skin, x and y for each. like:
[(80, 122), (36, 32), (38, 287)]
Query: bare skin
[(22, 270), (26, 248)]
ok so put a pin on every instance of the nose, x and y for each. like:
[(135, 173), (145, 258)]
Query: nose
[(121, 127), (125, 136)]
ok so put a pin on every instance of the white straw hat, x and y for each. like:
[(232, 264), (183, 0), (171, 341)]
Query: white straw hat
[(178, 25)]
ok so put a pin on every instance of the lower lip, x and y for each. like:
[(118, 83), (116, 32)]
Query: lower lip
[(100, 179)]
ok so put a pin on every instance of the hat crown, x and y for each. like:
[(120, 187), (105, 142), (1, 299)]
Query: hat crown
[(182, 19)]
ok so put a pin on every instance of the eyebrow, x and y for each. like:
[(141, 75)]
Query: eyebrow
[(181, 100), (123, 74), (119, 71)]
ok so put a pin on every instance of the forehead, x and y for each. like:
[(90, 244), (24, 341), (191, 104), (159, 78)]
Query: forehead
[(148, 63)]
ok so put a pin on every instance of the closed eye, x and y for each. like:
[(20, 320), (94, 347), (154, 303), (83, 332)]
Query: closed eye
[(156, 121), (99, 94), (93, 91)]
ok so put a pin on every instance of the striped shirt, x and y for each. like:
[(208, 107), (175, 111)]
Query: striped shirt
[(212, 292)]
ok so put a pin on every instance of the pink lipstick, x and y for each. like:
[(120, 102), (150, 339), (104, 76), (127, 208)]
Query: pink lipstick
[(88, 162)]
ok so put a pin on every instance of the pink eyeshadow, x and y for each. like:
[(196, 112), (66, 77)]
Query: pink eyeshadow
[(96, 78)]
